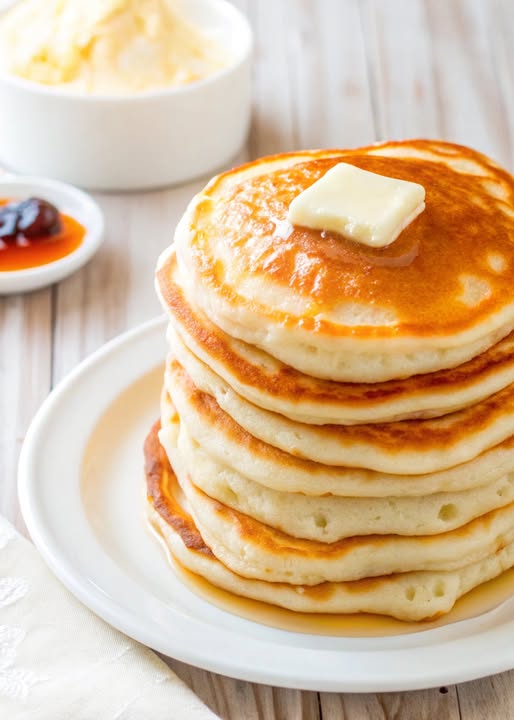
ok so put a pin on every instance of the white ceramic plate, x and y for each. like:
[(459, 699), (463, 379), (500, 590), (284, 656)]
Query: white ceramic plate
[(81, 492), (67, 199)]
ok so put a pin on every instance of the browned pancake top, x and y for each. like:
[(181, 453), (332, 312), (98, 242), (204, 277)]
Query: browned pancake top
[(466, 231)]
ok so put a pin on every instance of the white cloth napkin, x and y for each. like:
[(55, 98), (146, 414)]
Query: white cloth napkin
[(58, 661)]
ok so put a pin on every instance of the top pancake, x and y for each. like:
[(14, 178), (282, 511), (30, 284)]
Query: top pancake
[(436, 297)]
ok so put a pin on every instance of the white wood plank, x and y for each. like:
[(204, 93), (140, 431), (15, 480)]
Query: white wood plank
[(25, 371), (420, 705), (328, 75), (469, 95), (116, 290), (273, 126), (491, 697), (400, 69), (502, 42), (235, 699)]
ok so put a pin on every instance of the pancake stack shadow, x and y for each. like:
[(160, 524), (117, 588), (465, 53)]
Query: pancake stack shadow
[(318, 468)]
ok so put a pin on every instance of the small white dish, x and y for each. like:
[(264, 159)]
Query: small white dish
[(141, 141), (81, 494), (69, 200)]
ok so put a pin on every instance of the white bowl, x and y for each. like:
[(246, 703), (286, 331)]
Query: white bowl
[(69, 200), (145, 140)]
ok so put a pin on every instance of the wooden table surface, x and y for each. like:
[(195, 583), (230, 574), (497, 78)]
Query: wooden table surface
[(328, 73)]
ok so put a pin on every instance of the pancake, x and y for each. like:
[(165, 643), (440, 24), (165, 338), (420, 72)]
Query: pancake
[(405, 447), (337, 421), (330, 518), (436, 297), (268, 383), (228, 443), (325, 518), (254, 550), (408, 596)]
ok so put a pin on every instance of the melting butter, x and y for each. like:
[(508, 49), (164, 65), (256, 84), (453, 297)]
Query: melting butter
[(362, 206)]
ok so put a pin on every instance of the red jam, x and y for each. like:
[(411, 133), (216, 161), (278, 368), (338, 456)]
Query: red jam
[(34, 233)]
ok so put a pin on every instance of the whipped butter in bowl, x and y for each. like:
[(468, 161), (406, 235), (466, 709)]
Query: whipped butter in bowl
[(110, 47), (123, 94)]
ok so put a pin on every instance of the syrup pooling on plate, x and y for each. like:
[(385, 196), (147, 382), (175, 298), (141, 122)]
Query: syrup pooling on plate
[(162, 490), (33, 233), (477, 602)]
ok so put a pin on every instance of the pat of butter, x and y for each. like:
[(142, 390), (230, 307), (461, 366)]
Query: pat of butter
[(365, 207)]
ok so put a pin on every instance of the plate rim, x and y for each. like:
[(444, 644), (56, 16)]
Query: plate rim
[(123, 618)]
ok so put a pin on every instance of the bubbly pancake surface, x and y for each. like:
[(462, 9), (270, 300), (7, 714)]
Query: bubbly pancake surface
[(442, 290), (406, 596), (254, 549), (328, 518), (324, 517)]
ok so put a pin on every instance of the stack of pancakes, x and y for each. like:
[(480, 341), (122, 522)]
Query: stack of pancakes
[(337, 421)]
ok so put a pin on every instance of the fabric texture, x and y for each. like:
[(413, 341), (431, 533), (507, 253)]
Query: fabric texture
[(59, 661)]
